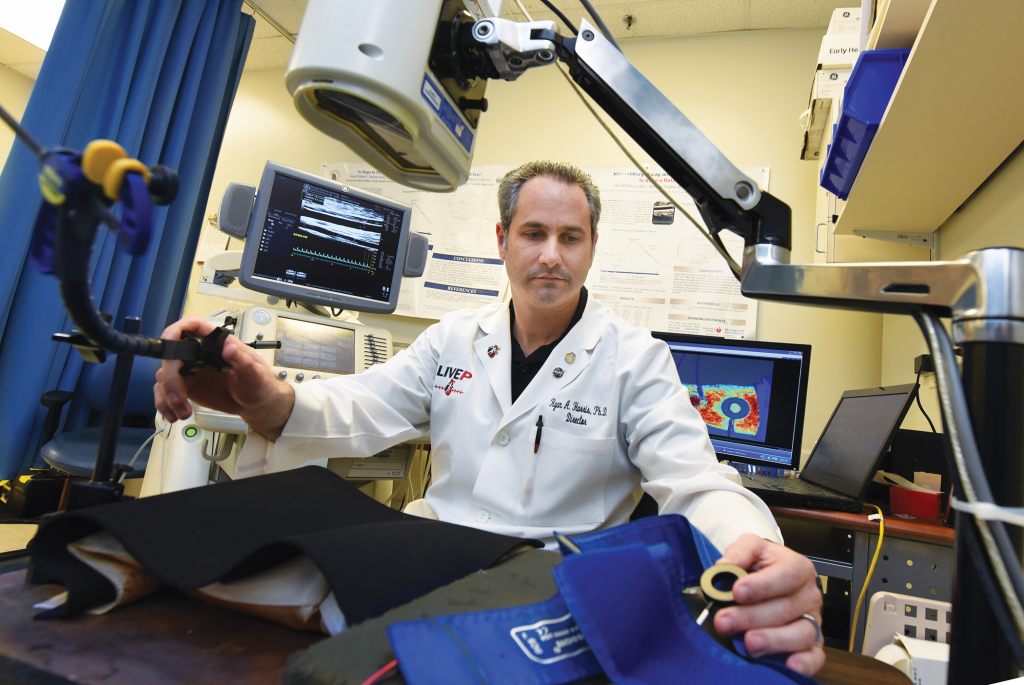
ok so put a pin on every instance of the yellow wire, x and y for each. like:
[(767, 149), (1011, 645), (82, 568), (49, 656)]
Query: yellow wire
[(871, 569)]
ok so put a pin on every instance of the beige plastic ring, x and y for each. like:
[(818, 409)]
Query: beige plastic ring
[(708, 577)]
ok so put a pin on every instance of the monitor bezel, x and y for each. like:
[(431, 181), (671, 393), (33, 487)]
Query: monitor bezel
[(858, 490), (301, 293), (805, 372)]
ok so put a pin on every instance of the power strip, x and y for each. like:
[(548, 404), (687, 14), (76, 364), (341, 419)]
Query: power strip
[(890, 614)]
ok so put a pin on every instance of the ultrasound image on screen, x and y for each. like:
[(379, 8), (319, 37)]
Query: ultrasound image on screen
[(732, 394), (323, 239)]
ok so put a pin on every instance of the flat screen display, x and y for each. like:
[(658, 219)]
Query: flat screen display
[(324, 239), (315, 347), (751, 395), (856, 434)]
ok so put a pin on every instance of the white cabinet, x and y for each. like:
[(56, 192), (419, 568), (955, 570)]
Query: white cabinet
[(954, 118), (829, 246)]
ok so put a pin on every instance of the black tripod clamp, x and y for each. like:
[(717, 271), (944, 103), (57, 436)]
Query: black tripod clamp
[(198, 352)]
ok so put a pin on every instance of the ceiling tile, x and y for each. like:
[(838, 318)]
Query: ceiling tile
[(664, 18), (653, 18), (268, 53), (792, 14), (287, 13), (263, 28)]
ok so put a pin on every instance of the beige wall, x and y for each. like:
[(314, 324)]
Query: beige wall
[(991, 217), (14, 91), (745, 90)]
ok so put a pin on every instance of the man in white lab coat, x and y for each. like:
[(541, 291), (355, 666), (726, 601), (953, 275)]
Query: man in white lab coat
[(544, 413)]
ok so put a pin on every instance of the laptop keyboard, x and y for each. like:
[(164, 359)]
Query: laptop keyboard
[(790, 485)]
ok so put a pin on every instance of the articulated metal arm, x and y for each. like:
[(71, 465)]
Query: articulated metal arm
[(981, 291), (726, 197)]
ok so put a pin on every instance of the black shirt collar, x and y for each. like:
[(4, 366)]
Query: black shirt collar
[(525, 368), (544, 350)]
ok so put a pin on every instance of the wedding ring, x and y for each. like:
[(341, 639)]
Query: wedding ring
[(817, 627)]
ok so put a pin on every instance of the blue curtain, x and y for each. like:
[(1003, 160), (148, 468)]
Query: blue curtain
[(159, 77)]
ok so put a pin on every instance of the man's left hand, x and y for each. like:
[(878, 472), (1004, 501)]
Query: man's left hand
[(779, 589)]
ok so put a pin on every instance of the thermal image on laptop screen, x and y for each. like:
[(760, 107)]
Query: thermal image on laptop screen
[(733, 395)]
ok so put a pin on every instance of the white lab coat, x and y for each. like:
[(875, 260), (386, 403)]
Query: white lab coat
[(615, 417)]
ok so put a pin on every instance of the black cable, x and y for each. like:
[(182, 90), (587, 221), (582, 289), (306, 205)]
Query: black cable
[(959, 432), (23, 135), (600, 22), (81, 309), (558, 13), (735, 268), (991, 589), (920, 406)]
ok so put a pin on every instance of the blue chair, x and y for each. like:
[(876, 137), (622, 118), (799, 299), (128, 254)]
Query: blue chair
[(74, 452)]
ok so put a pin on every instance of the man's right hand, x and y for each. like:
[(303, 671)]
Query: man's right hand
[(249, 389)]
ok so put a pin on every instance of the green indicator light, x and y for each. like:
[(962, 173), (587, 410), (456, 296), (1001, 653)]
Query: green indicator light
[(191, 432)]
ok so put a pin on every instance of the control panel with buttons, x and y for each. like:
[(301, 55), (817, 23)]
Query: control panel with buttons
[(313, 347)]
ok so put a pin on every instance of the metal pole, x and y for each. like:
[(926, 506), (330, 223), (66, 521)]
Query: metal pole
[(101, 489), (992, 373), (115, 408)]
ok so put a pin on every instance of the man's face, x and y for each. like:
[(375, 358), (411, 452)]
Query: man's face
[(549, 248)]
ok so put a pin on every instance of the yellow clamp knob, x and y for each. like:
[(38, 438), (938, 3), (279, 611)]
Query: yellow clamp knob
[(97, 158), (114, 178)]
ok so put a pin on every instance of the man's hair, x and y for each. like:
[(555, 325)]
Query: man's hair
[(512, 183)]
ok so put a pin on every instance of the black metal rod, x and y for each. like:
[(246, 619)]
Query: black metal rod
[(980, 653), (30, 142), (115, 408)]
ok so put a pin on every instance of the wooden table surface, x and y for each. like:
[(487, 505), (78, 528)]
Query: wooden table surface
[(923, 530), (165, 638), (172, 638)]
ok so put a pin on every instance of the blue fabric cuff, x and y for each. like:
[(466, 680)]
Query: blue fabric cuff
[(620, 610)]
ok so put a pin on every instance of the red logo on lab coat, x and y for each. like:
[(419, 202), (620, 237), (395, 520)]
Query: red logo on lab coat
[(452, 374)]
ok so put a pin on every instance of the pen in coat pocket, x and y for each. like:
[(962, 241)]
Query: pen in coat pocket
[(540, 425)]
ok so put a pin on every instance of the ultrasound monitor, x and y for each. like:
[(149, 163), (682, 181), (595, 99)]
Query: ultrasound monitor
[(750, 394), (321, 242)]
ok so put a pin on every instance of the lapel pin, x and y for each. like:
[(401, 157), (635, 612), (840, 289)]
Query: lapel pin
[(570, 357), (492, 350), (558, 372)]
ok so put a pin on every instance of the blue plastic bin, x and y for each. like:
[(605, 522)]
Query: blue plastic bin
[(872, 82)]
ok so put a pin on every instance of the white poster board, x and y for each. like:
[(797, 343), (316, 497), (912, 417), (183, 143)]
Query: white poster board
[(463, 268), (652, 266)]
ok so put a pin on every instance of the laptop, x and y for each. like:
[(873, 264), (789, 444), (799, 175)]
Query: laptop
[(846, 456)]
